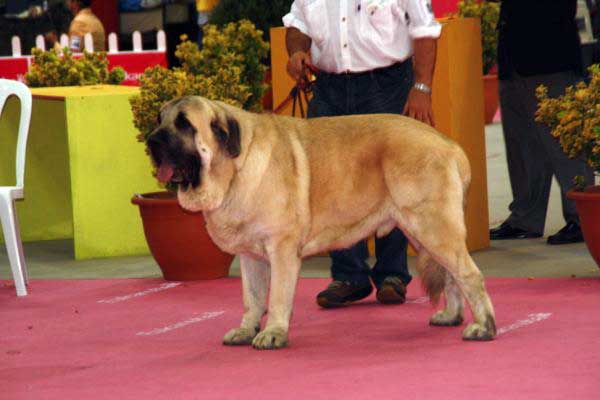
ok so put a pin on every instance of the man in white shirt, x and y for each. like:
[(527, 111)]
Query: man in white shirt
[(373, 57)]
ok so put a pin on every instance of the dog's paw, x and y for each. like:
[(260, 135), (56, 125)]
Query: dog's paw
[(444, 318), (239, 336), (269, 339), (478, 332)]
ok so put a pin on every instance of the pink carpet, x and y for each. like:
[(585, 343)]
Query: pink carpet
[(147, 339)]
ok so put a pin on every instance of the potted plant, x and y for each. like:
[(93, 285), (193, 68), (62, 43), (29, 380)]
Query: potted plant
[(178, 240), (265, 14), (59, 68), (228, 68), (574, 119), (488, 13)]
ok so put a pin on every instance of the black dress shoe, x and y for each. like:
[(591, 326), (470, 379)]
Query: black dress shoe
[(571, 233), (505, 231)]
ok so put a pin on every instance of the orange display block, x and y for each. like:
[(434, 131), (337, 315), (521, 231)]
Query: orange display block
[(457, 107)]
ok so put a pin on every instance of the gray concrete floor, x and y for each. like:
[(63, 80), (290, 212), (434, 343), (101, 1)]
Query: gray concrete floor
[(518, 258)]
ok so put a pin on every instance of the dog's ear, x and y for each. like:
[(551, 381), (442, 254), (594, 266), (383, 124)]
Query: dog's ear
[(229, 137)]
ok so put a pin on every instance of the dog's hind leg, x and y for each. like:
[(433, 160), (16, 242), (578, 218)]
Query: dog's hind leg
[(435, 278), (442, 234), (470, 281), (255, 286), (433, 275), (452, 314)]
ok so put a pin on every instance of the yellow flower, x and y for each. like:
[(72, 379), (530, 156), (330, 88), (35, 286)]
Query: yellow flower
[(581, 94), (50, 68), (574, 118)]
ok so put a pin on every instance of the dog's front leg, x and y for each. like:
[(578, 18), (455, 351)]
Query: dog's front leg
[(255, 285), (285, 268)]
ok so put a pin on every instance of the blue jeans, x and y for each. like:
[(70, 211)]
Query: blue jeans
[(382, 91)]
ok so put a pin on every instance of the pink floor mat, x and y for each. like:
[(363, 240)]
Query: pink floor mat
[(148, 339)]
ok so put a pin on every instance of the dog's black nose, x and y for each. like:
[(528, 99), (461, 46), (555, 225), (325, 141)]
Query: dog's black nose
[(158, 137), (158, 144)]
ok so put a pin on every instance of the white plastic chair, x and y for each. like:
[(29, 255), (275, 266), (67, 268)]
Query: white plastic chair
[(8, 194)]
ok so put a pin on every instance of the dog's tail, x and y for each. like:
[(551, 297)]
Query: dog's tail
[(433, 277)]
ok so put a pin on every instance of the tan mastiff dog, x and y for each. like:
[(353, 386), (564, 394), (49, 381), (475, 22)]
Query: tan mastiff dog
[(276, 189)]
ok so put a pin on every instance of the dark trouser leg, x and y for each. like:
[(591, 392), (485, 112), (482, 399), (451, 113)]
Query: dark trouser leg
[(350, 264), (382, 93), (330, 99), (528, 168), (564, 168), (391, 258)]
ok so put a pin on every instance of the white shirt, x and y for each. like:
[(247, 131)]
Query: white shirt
[(361, 35)]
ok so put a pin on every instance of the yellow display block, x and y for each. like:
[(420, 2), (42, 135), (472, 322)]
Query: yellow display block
[(83, 165), (457, 107)]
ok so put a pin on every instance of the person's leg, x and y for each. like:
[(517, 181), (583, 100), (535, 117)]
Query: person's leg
[(350, 265), (564, 168), (528, 168), (386, 92), (390, 251), (349, 269)]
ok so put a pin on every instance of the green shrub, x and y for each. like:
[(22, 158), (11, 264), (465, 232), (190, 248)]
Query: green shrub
[(235, 45), (51, 68), (227, 68), (488, 13)]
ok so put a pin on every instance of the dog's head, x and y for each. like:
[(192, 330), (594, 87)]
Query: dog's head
[(193, 148)]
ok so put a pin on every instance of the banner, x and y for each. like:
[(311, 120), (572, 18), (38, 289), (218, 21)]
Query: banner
[(14, 67), (134, 64)]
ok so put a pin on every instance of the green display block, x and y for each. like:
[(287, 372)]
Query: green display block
[(83, 165)]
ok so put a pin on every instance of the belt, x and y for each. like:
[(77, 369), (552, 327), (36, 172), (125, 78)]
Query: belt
[(350, 74)]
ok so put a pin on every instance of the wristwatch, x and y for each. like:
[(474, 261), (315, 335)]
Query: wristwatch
[(421, 87)]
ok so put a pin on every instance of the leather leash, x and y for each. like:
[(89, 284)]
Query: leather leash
[(299, 92)]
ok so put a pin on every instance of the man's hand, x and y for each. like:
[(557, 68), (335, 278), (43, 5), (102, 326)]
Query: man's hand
[(296, 64), (298, 47), (418, 106)]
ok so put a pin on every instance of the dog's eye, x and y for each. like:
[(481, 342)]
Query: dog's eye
[(183, 124), (158, 119)]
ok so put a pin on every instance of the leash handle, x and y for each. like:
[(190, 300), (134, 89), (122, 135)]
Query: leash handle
[(300, 91)]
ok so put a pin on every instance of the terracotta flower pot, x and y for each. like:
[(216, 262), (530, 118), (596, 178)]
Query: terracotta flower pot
[(178, 240), (491, 96), (588, 208)]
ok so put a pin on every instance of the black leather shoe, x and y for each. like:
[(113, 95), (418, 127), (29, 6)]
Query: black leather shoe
[(571, 233), (505, 231), (339, 294)]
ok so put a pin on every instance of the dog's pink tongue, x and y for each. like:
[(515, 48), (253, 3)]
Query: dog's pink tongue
[(164, 173)]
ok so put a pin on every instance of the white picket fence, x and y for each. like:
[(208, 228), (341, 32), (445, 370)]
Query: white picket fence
[(88, 43)]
